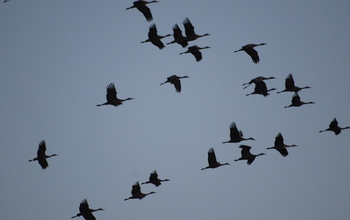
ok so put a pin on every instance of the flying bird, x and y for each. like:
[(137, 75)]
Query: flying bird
[(290, 87), (280, 146), (154, 38), (249, 49), (257, 79), (41, 156), (153, 178), (175, 80), (86, 212), (260, 88), (112, 97), (296, 102), (136, 192), (194, 50), (246, 155), (141, 6), (235, 135), (333, 126), (189, 31), (178, 37), (213, 163)]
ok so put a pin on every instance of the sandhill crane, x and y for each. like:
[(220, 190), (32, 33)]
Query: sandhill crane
[(249, 49), (213, 163), (194, 50), (296, 102), (154, 38), (189, 31), (136, 192), (235, 135), (175, 80), (41, 156), (141, 6), (246, 155), (153, 178), (257, 79), (290, 87), (86, 212), (178, 37), (112, 97), (333, 126), (280, 146), (261, 89)]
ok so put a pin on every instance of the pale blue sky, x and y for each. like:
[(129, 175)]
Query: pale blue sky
[(57, 57)]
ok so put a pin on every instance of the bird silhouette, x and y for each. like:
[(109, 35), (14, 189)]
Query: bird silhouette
[(175, 80), (136, 192), (280, 146), (213, 163), (153, 178), (296, 102), (333, 126), (41, 156), (189, 31), (257, 79), (154, 38), (178, 37), (86, 212), (235, 135), (290, 87), (249, 49), (141, 6), (246, 155), (260, 88), (194, 50), (112, 97)]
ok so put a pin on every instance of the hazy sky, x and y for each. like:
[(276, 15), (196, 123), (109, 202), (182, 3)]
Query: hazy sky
[(57, 57)]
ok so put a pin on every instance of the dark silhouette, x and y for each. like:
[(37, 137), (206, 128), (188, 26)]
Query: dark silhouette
[(213, 163), (41, 156), (153, 178), (189, 31), (86, 212), (290, 87), (246, 155), (296, 102), (154, 38), (178, 37), (136, 192), (235, 135), (112, 97), (333, 126), (280, 146), (6, 1), (249, 49), (141, 6), (194, 50), (175, 80), (260, 88), (257, 79)]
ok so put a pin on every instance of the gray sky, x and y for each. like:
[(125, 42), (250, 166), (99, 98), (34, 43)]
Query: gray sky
[(57, 58)]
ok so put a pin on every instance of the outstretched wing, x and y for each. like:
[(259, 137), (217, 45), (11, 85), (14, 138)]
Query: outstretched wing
[(136, 189), (212, 158), (289, 83), (111, 93)]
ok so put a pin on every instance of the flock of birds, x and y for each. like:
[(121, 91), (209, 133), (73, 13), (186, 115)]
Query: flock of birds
[(236, 136)]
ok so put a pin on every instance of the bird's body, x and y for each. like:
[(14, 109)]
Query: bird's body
[(153, 178), (154, 38), (235, 135), (141, 6), (178, 37), (280, 146), (41, 156), (86, 212), (112, 96), (189, 31), (136, 192), (290, 87), (194, 50), (213, 163), (175, 80), (249, 49), (296, 102), (256, 80), (260, 88), (246, 155), (333, 126)]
